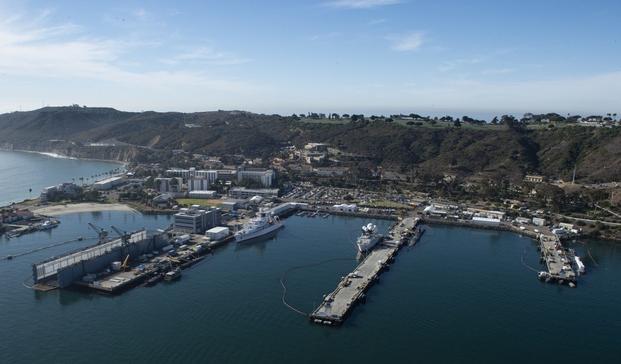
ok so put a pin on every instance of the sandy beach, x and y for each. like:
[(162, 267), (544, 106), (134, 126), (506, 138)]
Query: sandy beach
[(56, 210)]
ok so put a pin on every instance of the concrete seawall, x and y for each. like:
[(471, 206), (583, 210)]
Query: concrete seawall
[(475, 225), (352, 214)]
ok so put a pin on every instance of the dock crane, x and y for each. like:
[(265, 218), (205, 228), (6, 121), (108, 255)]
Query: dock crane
[(124, 246), (101, 233), (123, 235)]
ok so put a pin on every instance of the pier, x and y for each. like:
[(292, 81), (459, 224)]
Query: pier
[(338, 304), (558, 261)]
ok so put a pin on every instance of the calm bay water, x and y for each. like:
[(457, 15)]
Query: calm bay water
[(460, 295), (20, 171)]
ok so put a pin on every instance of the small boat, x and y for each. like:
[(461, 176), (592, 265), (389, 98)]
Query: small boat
[(172, 275), (579, 265), (48, 225)]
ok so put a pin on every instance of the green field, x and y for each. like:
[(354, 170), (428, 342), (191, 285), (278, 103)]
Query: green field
[(404, 122), (386, 204), (198, 201), (437, 124)]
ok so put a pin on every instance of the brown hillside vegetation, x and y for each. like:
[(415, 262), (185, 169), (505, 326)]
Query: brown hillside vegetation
[(595, 152)]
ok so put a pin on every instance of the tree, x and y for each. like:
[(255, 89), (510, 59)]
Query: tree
[(457, 123)]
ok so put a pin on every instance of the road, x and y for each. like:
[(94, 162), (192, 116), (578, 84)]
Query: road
[(589, 220)]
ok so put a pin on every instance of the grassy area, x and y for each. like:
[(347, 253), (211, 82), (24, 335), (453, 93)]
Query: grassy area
[(386, 204), (438, 124), (404, 122), (198, 201), (324, 121)]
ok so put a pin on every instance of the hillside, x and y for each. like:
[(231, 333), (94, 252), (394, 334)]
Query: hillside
[(595, 152)]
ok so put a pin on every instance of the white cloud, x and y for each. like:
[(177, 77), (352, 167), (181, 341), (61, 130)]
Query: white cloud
[(61, 51), (498, 71), (140, 13), (450, 65), (324, 36), (207, 55), (377, 21), (407, 42), (361, 4)]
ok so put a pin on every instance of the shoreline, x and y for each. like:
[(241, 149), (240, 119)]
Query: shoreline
[(58, 210), (62, 156)]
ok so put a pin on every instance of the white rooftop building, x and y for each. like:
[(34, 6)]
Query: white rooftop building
[(108, 183)]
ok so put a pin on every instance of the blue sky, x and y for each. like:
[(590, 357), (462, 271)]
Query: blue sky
[(370, 56)]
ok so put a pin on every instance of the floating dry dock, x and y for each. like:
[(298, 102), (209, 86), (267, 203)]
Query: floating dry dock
[(338, 304), (68, 269)]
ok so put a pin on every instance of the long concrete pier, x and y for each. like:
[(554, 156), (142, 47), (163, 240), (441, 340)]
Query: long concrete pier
[(338, 304), (558, 261)]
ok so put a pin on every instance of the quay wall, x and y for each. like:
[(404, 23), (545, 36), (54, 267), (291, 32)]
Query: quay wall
[(472, 224), (350, 213)]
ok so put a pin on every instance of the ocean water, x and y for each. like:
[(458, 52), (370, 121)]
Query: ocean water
[(459, 295), (21, 171)]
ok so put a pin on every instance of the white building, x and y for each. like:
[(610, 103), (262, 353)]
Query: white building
[(316, 147), (499, 215), (166, 185), (211, 175), (217, 233), (243, 192), (202, 194), (345, 207), (108, 183), (263, 176), (196, 221), (206, 178), (485, 220), (200, 184)]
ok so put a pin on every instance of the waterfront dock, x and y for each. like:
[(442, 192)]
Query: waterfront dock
[(338, 304), (558, 261)]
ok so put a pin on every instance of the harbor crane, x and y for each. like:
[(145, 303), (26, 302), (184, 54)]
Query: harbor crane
[(123, 235), (101, 233), (124, 246)]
